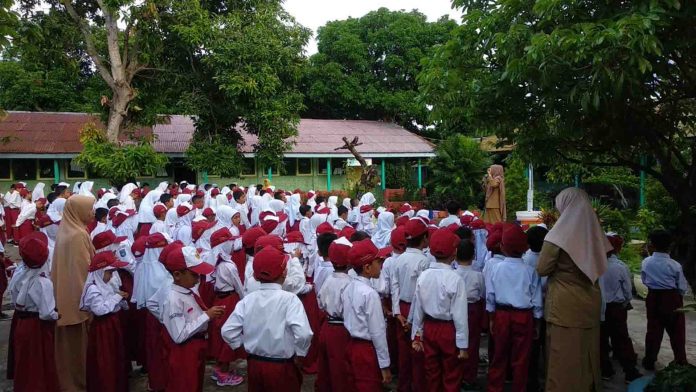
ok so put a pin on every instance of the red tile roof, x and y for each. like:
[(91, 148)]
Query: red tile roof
[(58, 133)]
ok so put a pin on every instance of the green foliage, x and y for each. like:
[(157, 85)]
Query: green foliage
[(658, 200), (8, 22), (516, 185), (647, 221), (119, 164), (400, 175), (217, 157), (630, 255), (674, 378), (456, 172), (366, 67)]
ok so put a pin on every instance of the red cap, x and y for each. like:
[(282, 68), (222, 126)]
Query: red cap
[(364, 209), (250, 236), (208, 212), (215, 192), (514, 240), (466, 220), (198, 228), (616, 242), (33, 249), (495, 236), (183, 209), (105, 259), (310, 195), (106, 238), (363, 252), (415, 227), (42, 200), (398, 239), (44, 221), (477, 224), (295, 237), (453, 227), (325, 228), (402, 220), (138, 247), (200, 193), (385, 252), (112, 212), (159, 209), (347, 232), (167, 249), (187, 257), (156, 240), (443, 243), (220, 236), (269, 223), (269, 241), (323, 210), (136, 192), (269, 264), (23, 192), (338, 251), (405, 208), (101, 192)]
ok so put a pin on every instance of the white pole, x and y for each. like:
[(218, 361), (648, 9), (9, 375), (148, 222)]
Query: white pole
[(530, 189)]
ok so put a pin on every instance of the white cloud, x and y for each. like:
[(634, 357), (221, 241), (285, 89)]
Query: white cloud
[(315, 13)]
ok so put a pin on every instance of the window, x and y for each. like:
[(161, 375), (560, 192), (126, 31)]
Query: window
[(336, 166), (264, 172), (165, 171), (46, 169), (5, 169), (24, 169), (304, 167), (75, 171), (248, 167), (289, 166)]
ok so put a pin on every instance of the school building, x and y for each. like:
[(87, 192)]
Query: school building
[(40, 147)]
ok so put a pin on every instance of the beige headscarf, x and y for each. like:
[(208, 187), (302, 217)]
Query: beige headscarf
[(72, 255), (579, 233), (497, 171)]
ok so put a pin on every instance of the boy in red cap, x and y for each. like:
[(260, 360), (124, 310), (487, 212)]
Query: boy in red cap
[(409, 266), (160, 212), (272, 326), (476, 298), (616, 289), (367, 352), (514, 302), (186, 318), (334, 338), (384, 288), (439, 310), (107, 368), (35, 311), (24, 224)]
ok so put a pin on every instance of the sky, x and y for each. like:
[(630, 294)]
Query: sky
[(315, 13)]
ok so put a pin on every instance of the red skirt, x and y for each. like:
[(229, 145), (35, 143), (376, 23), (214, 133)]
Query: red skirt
[(24, 230), (316, 319), (157, 351), (11, 215), (217, 347), (34, 353), (10, 347), (186, 365), (106, 355), (239, 259), (132, 338)]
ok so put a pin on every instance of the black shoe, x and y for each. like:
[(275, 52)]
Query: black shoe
[(647, 365), (632, 374)]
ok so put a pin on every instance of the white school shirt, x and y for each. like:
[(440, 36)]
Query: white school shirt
[(329, 296), (340, 224), (511, 282), (13, 200), (158, 226), (441, 294), (295, 281), (616, 282), (40, 298), (408, 267), (269, 322), (183, 234), (227, 278), (660, 272), (490, 263), (101, 302), (531, 258), (474, 282), (27, 212), (450, 219), (383, 285), (182, 316), (363, 316), (323, 269)]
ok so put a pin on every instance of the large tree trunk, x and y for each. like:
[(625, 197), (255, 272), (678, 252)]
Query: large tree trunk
[(118, 112)]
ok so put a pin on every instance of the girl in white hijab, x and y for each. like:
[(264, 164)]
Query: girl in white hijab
[(149, 275), (125, 196), (255, 205), (182, 232), (292, 208), (145, 214), (103, 201), (385, 225), (331, 203), (86, 188), (365, 220)]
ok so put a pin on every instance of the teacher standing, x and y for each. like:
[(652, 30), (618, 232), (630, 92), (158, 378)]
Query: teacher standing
[(71, 258), (574, 256)]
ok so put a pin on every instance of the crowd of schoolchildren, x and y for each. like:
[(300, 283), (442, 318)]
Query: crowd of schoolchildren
[(297, 284)]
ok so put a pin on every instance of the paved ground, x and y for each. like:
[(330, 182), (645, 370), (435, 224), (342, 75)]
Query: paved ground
[(637, 325)]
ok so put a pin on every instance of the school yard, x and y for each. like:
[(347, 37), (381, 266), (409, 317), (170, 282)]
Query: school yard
[(636, 322)]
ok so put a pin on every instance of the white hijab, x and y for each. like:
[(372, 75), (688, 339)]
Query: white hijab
[(276, 205), (182, 198), (38, 192), (385, 224), (292, 208), (97, 278), (312, 200), (55, 210), (162, 187), (124, 197), (104, 200), (145, 213), (149, 276), (255, 204), (86, 188)]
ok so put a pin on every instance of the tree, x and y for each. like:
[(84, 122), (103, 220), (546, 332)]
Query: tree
[(456, 172), (594, 83), (366, 68), (8, 22)]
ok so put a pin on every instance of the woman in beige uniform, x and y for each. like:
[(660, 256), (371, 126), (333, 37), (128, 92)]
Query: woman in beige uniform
[(494, 185), (71, 258), (573, 257)]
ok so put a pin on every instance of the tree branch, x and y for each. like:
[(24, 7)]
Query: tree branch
[(112, 30), (89, 41)]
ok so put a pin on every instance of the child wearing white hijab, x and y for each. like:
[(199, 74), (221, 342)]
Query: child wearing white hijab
[(385, 224), (125, 197), (365, 222)]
